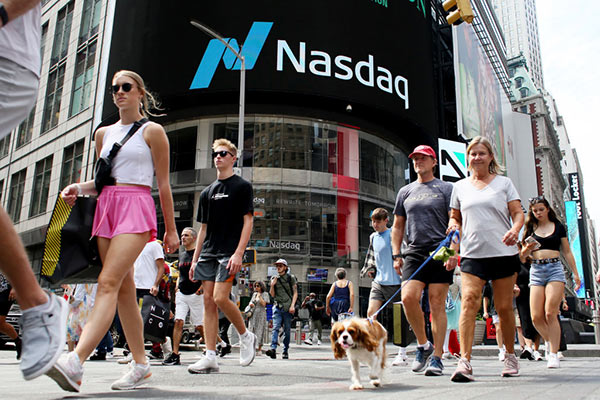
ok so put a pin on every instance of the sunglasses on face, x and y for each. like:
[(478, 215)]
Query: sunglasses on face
[(222, 153), (126, 87), (536, 199)]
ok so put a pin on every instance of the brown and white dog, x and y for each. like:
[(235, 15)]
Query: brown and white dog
[(362, 341)]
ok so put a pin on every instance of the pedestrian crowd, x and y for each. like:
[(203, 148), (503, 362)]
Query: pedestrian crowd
[(517, 276)]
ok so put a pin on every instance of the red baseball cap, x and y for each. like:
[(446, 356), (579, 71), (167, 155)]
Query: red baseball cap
[(425, 150)]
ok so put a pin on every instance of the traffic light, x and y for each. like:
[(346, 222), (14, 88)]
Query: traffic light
[(459, 11)]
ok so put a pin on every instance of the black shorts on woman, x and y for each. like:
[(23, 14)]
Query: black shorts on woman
[(433, 272), (491, 268)]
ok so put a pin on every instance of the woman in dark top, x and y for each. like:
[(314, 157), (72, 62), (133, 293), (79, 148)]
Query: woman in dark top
[(547, 277), (340, 297)]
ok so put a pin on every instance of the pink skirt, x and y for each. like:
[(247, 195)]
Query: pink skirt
[(124, 209)]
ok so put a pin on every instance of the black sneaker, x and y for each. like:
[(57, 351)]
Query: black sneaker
[(98, 357), (156, 355), (18, 345), (173, 359), (285, 356), (526, 355), (225, 350), (271, 353)]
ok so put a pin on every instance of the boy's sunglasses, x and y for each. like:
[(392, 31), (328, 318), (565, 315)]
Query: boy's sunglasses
[(222, 153), (126, 87)]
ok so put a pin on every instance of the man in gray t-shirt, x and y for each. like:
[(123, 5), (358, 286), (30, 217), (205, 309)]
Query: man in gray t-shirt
[(423, 210)]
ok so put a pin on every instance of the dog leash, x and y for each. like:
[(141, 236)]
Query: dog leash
[(446, 242)]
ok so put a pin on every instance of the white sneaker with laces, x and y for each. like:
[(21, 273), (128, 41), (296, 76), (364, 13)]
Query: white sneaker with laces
[(126, 360), (553, 361), (501, 355), (400, 360), (67, 372), (204, 366), (247, 349), (537, 356), (308, 342), (137, 374)]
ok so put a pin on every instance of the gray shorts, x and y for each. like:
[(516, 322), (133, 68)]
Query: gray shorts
[(542, 274), (18, 93), (383, 292), (213, 269)]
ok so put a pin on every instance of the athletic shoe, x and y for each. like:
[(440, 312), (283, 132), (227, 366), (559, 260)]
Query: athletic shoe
[(435, 367), (537, 356), (511, 366), (318, 342), (560, 355), (446, 355), (247, 349), (501, 355), (401, 359), (526, 354), (166, 346), (67, 372), (126, 360), (553, 361), (308, 342), (18, 347), (204, 366), (98, 357), (271, 353), (285, 356), (225, 350), (153, 355), (173, 359), (421, 358), (463, 372), (109, 355), (43, 333), (137, 375)]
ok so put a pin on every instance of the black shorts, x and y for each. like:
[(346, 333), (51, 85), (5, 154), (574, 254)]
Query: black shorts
[(5, 303), (491, 268), (433, 272)]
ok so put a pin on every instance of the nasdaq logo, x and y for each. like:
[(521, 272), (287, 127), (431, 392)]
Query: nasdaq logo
[(217, 51)]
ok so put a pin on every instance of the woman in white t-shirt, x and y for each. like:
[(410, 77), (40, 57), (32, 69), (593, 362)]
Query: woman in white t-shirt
[(486, 208)]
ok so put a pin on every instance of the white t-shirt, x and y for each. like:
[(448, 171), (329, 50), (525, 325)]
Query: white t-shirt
[(20, 40), (144, 267), (485, 217)]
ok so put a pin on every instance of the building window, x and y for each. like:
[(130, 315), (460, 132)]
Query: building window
[(82, 80), (90, 19), (1, 190), (72, 161), (15, 197), (53, 97), (524, 92), (41, 186), (62, 33), (4, 145), (519, 82), (523, 109), (25, 130), (43, 41)]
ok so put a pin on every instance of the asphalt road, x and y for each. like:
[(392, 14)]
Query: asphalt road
[(311, 373)]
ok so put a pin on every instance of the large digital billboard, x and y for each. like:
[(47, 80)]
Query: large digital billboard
[(373, 55)]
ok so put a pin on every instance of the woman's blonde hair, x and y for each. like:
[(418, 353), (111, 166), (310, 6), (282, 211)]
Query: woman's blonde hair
[(494, 167), (149, 101)]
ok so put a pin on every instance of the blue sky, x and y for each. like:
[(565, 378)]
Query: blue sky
[(570, 44)]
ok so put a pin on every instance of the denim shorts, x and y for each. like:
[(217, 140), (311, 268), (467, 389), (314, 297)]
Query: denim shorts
[(542, 274)]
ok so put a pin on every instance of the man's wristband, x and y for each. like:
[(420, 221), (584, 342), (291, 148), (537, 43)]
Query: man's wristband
[(3, 15), (397, 256)]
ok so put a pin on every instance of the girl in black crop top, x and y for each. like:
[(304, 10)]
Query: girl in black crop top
[(547, 272)]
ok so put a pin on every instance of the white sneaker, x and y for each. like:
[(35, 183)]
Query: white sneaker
[(110, 354), (560, 355), (128, 358), (501, 355), (43, 336), (166, 346), (553, 361), (318, 343), (247, 349), (400, 360), (204, 366), (67, 372), (537, 356), (137, 374), (308, 342), (446, 355)]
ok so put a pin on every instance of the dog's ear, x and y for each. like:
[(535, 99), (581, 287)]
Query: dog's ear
[(364, 336), (338, 350)]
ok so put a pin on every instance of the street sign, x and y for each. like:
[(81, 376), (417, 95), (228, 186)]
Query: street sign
[(452, 160)]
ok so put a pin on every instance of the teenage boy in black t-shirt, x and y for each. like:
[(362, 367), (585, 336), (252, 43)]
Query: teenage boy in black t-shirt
[(226, 214)]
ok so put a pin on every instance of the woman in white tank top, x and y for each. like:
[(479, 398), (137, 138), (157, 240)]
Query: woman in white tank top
[(124, 222)]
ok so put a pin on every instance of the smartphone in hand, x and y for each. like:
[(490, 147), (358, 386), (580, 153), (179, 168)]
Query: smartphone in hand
[(530, 240)]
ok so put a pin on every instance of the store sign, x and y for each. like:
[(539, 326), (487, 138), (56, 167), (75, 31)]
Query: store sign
[(575, 193), (452, 160)]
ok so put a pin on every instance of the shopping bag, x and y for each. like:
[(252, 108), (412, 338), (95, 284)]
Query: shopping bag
[(403, 335), (70, 253), (155, 314)]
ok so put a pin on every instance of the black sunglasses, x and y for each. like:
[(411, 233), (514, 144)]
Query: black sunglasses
[(222, 153), (536, 199), (126, 87)]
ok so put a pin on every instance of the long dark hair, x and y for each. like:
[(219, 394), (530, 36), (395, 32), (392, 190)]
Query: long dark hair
[(531, 221)]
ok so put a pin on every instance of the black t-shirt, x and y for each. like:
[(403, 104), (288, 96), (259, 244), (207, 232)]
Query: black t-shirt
[(185, 262), (552, 242), (314, 313), (223, 205)]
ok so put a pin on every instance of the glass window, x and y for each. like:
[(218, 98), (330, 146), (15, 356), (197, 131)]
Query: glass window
[(41, 186), (71, 165), (15, 196), (82, 79), (53, 98), (90, 19), (229, 131), (4, 145), (43, 41), (519, 81), (182, 144), (25, 130), (524, 92), (1, 189), (62, 33), (267, 136)]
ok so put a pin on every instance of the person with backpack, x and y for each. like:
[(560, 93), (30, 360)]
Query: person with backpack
[(284, 289)]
